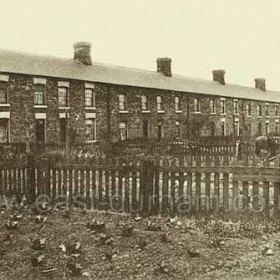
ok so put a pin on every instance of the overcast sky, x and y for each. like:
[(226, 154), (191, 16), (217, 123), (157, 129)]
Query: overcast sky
[(240, 36)]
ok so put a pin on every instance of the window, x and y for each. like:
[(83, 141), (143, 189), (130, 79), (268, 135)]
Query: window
[(236, 128), (259, 109), (178, 106), (39, 94), (63, 97), (266, 109), (90, 129), (159, 103), (144, 102), (3, 130), (223, 106), (267, 128), (212, 128), (212, 106), (3, 93), (223, 128), (235, 107), (276, 111), (122, 102), (276, 126), (248, 109), (178, 129), (89, 97), (196, 105), (123, 131)]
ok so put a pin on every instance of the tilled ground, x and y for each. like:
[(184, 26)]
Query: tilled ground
[(115, 246)]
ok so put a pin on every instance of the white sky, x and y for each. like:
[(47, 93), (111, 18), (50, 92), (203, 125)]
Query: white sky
[(240, 36)]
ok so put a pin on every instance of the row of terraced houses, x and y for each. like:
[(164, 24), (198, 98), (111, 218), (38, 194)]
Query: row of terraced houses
[(47, 99)]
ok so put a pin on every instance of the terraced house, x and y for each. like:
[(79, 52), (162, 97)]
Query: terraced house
[(46, 98)]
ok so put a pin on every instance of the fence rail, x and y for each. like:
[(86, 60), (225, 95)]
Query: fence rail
[(223, 187)]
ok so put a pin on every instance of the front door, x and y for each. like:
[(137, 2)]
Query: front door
[(40, 131), (146, 129)]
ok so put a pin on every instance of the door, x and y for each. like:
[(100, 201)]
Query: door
[(146, 129), (40, 131)]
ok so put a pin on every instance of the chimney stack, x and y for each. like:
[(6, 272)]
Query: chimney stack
[(164, 66), (82, 52), (260, 84), (219, 76)]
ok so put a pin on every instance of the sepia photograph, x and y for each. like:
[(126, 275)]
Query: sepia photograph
[(140, 139)]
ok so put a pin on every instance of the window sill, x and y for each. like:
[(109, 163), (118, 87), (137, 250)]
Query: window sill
[(213, 113), (146, 111), (5, 105), (160, 111), (249, 116), (237, 114), (178, 111), (91, 141), (64, 108), (40, 106), (197, 113), (123, 111), (90, 108), (223, 114)]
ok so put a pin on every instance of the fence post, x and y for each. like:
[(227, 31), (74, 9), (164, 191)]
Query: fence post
[(31, 178), (146, 185)]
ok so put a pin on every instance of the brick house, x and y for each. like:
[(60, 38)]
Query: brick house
[(40, 96)]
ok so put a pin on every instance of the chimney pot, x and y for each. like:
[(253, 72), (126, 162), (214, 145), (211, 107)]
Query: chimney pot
[(219, 76), (82, 52), (260, 84), (164, 66)]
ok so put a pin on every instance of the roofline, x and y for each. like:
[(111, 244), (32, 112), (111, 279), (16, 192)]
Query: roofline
[(168, 90)]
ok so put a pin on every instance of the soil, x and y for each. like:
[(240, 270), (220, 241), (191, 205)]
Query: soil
[(99, 245)]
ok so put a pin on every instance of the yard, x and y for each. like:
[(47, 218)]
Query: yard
[(70, 245)]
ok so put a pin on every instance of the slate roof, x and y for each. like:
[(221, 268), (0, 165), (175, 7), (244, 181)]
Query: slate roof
[(42, 65)]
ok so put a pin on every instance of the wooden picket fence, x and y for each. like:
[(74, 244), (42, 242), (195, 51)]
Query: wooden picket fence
[(223, 187)]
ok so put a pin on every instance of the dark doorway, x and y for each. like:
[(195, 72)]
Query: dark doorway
[(146, 129), (160, 131), (63, 130), (40, 131)]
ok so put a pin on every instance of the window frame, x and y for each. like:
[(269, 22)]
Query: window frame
[(177, 104), (67, 99), (236, 107), (4, 86), (38, 92), (6, 131), (196, 105), (223, 107), (122, 102), (144, 102), (212, 105), (92, 98), (249, 110), (259, 110)]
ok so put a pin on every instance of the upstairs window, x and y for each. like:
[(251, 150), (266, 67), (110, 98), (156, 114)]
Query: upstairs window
[(248, 109), (178, 129), (159, 103), (39, 94), (178, 106), (212, 106), (122, 102), (89, 97), (3, 93), (266, 109), (196, 105), (235, 107), (144, 102), (63, 97), (223, 106), (259, 109), (276, 109)]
